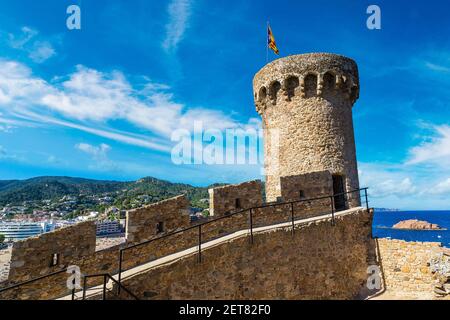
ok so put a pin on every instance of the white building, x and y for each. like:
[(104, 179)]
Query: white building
[(14, 231), (108, 227)]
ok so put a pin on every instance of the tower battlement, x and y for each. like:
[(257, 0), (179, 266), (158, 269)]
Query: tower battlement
[(306, 76)]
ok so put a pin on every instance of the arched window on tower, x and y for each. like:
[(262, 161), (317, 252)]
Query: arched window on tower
[(262, 94), (290, 84), (273, 90), (311, 85), (329, 82)]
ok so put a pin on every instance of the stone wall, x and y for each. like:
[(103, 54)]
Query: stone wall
[(105, 261), (232, 198), (306, 186), (76, 244), (32, 257), (171, 214), (319, 261), (407, 266)]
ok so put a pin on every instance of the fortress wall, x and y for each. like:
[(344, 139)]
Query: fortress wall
[(142, 223), (312, 185), (224, 199), (105, 261), (319, 261), (32, 257), (216, 229), (409, 267), (78, 244)]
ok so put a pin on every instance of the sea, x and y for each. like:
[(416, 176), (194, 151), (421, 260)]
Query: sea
[(384, 220)]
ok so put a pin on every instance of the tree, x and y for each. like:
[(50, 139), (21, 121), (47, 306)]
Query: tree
[(2, 238)]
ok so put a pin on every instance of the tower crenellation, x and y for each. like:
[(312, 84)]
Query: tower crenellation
[(306, 76)]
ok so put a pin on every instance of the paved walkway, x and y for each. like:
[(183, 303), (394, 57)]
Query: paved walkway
[(172, 258)]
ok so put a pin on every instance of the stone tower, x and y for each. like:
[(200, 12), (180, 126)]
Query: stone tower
[(306, 106)]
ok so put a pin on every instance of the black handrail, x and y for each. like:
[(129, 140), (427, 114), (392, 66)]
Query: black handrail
[(250, 210), (33, 280), (106, 276)]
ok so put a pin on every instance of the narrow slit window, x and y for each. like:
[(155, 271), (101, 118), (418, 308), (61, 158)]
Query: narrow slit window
[(160, 227), (55, 260), (238, 204), (302, 194)]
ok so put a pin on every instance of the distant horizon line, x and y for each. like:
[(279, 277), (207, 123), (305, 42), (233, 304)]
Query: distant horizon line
[(113, 180)]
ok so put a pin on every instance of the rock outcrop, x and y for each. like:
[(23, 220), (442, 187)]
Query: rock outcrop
[(415, 224)]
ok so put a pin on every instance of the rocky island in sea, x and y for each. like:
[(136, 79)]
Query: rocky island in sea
[(414, 224)]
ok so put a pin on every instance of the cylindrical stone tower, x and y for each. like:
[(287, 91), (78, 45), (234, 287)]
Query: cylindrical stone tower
[(306, 106)]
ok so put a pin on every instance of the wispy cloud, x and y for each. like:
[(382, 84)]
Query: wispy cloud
[(95, 151), (436, 67), (99, 155), (37, 50), (89, 99), (120, 136), (179, 13), (386, 180), (435, 149), (442, 188)]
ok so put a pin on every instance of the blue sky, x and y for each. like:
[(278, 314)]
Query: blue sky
[(102, 102)]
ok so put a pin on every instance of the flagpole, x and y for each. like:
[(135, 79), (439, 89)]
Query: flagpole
[(267, 45)]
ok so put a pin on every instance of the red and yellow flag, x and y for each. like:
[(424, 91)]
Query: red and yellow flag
[(271, 40)]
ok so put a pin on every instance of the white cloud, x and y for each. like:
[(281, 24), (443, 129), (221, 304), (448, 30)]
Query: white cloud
[(124, 137), (89, 99), (39, 51), (42, 51), (19, 41), (441, 188), (437, 67), (179, 13), (384, 181), (99, 155), (434, 150), (97, 152), (18, 86)]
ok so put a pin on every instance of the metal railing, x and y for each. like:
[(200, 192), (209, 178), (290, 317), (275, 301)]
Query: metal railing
[(14, 286), (199, 228), (106, 276), (250, 219)]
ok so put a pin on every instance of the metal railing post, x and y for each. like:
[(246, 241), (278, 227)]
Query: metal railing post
[(332, 210), (367, 199), (292, 217), (251, 226), (199, 243), (104, 286), (84, 287), (120, 271)]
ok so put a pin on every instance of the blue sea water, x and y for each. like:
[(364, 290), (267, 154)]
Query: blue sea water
[(383, 220)]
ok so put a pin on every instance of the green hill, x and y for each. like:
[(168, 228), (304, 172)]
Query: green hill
[(15, 192)]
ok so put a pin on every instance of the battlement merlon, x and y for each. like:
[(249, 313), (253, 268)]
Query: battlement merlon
[(305, 75)]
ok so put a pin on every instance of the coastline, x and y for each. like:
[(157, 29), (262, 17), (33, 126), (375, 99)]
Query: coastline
[(383, 227)]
